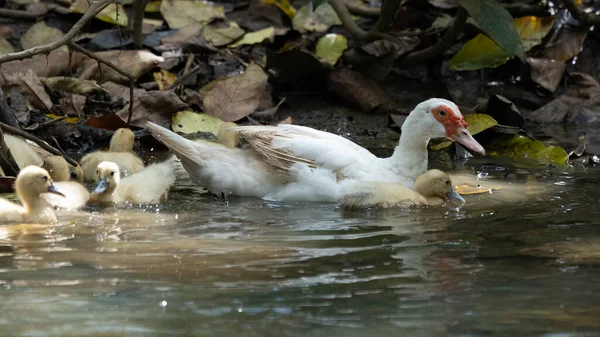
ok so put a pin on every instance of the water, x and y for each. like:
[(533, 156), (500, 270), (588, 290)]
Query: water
[(520, 262)]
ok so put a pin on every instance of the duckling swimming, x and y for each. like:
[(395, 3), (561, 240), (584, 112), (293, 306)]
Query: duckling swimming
[(120, 152), (147, 186), (31, 183), (67, 179), (433, 187)]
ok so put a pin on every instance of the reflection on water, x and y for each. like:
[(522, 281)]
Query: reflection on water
[(501, 265)]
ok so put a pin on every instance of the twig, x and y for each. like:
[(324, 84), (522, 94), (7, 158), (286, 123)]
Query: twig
[(588, 18), (185, 76), (363, 11), (38, 141), (47, 124), (389, 11), (95, 8), (425, 54), (109, 64), (138, 19), (15, 13)]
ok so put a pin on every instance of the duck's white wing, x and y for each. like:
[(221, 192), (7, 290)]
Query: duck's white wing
[(284, 145)]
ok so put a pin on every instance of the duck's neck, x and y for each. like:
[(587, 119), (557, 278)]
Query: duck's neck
[(410, 156), (37, 209)]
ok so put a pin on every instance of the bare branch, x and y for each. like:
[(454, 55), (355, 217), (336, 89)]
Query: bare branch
[(138, 19), (95, 8)]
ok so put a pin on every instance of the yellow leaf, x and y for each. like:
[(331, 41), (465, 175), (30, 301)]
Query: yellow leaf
[(318, 21), (331, 47), (152, 7), (70, 120), (164, 79), (284, 5), (255, 37), (181, 13), (482, 52), (113, 13), (191, 122), (517, 146)]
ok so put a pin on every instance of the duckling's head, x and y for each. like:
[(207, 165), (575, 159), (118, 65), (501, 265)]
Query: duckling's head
[(33, 181), (107, 177), (76, 173), (58, 168), (122, 140), (436, 183)]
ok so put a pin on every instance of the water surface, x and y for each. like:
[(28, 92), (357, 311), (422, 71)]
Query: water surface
[(519, 262)]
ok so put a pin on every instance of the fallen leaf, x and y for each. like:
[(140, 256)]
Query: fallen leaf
[(482, 52), (151, 25), (331, 47), (285, 7), (580, 104), (73, 85), (546, 72), (152, 7), (320, 20), (497, 23), (221, 36), (154, 106), (356, 89), (582, 143), (255, 37), (73, 104), (6, 47), (136, 62), (71, 120), (164, 79), (40, 34), (504, 111), (32, 88), (19, 104), (113, 13), (518, 146), (267, 114), (238, 96), (384, 47), (190, 122), (106, 122), (181, 13), (185, 33)]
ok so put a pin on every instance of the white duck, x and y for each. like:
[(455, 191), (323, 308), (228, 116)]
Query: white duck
[(31, 183), (265, 171)]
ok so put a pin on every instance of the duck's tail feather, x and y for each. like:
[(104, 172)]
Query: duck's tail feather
[(182, 147)]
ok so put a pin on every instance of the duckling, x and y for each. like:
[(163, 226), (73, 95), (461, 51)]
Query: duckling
[(120, 152), (147, 186), (433, 187), (66, 178), (31, 182)]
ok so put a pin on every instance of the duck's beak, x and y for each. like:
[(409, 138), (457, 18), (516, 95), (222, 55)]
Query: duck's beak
[(52, 189), (454, 196), (101, 186), (463, 136)]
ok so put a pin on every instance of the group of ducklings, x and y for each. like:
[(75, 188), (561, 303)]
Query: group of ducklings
[(119, 176)]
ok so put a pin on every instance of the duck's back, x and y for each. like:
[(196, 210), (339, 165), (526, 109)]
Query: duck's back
[(136, 188), (10, 212), (362, 194)]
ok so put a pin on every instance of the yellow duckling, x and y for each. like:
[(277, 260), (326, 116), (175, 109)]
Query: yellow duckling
[(147, 186), (31, 183), (433, 187), (120, 152), (67, 179)]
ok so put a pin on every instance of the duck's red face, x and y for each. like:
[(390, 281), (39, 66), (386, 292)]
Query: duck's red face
[(456, 127)]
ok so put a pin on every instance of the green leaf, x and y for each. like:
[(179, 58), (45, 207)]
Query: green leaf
[(517, 146), (331, 47), (477, 123), (481, 52), (317, 3), (255, 37), (182, 13), (319, 20)]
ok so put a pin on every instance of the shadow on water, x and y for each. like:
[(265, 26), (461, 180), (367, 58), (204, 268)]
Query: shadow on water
[(503, 264)]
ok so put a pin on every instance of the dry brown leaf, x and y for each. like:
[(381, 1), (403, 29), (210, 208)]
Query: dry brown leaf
[(20, 106), (236, 97), (184, 34), (40, 34), (6, 47), (148, 106), (182, 13), (384, 47), (57, 62), (355, 88), (546, 72), (73, 105), (136, 62), (32, 88)]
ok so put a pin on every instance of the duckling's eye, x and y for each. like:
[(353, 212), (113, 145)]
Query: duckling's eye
[(73, 175), (112, 174), (45, 178), (447, 182)]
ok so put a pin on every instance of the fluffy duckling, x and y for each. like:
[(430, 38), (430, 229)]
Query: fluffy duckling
[(120, 152), (147, 186), (433, 187), (31, 183), (67, 179)]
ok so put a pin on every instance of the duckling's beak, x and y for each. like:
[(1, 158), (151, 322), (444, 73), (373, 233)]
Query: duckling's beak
[(454, 196), (52, 189), (463, 136), (100, 186)]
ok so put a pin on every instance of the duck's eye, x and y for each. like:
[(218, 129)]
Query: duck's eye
[(112, 174), (447, 182), (442, 113), (45, 178)]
